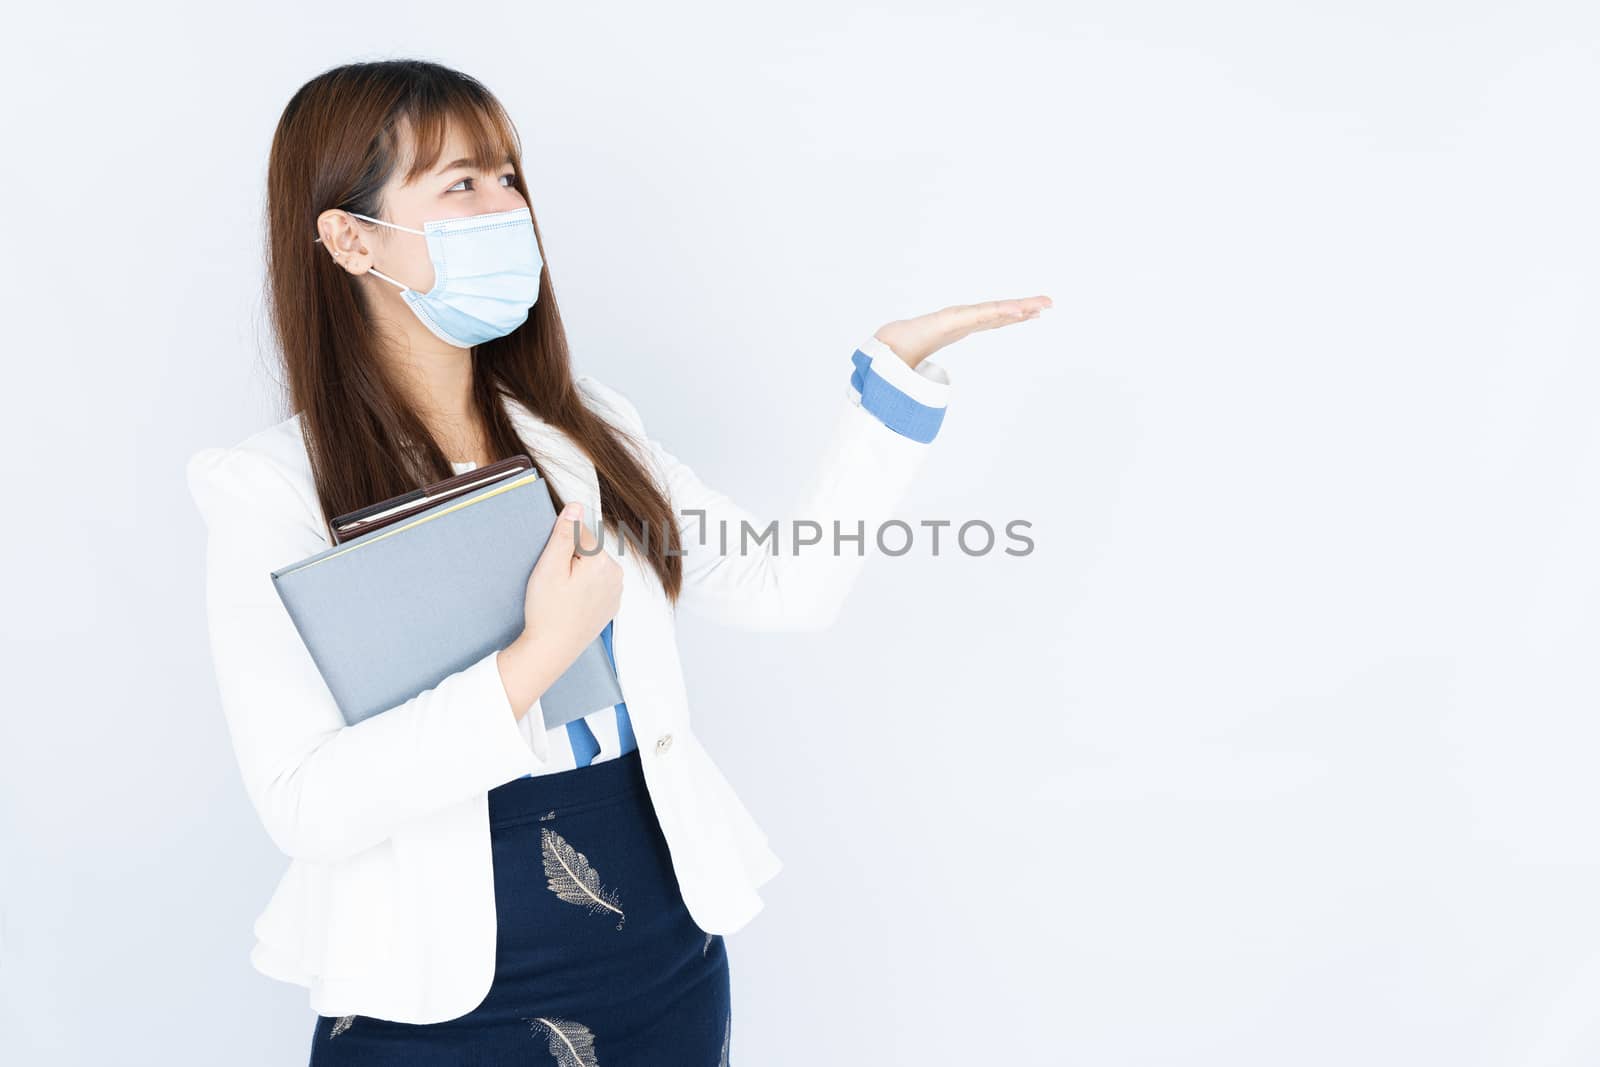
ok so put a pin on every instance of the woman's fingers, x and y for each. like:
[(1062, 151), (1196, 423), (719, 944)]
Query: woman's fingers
[(913, 340), (991, 313)]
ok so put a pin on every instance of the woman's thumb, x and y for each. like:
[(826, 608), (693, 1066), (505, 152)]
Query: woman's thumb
[(566, 527)]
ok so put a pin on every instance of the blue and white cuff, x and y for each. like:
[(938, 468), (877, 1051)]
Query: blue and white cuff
[(910, 401)]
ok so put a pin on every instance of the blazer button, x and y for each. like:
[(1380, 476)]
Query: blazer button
[(663, 743)]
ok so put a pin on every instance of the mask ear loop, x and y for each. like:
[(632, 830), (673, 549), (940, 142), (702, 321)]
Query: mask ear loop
[(395, 225), (385, 277)]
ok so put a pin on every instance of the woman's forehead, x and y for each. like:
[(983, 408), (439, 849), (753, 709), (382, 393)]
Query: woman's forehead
[(446, 142)]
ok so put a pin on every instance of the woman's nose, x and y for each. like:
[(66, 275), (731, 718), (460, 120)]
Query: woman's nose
[(509, 199)]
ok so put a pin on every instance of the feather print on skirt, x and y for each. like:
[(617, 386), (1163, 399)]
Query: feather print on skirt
[(571, 878), (565, 991), (572, 1044)]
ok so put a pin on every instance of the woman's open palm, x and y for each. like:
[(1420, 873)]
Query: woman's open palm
[(914, 340)]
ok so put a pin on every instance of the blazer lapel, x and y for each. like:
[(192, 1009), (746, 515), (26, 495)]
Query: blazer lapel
[(572, 474), (563, 463)]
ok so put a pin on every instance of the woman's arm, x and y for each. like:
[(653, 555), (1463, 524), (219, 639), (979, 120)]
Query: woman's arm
[(323, 789), (885, 420)]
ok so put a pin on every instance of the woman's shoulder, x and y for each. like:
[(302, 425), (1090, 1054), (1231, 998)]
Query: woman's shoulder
[(266, 473)]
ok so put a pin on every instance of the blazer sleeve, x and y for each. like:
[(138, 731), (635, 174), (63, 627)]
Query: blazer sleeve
[(772, 579), (322, 789)]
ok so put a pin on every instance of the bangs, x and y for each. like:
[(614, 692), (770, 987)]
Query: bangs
[(490, 137)]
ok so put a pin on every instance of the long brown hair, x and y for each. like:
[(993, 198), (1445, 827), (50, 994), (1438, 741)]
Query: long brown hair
[(337, 144)]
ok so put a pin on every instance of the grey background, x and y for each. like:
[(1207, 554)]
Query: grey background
[(1278, 749)]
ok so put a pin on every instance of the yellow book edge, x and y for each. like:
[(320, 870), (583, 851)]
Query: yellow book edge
[(524, 479)]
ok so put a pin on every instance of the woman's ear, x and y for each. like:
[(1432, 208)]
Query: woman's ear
[(344, 243)]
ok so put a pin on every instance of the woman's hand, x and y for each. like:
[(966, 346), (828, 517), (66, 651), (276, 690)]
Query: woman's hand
[(570, 597), (914, 340)]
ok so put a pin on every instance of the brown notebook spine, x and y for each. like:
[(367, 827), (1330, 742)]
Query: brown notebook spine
[(373, 517)]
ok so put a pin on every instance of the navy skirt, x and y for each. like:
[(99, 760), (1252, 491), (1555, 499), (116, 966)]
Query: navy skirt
[(598, 962)]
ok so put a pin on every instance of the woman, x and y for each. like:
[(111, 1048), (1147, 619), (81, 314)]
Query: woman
[(464, 885)]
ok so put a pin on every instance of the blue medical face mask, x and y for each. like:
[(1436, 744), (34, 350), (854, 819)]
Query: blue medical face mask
[(485, 275)]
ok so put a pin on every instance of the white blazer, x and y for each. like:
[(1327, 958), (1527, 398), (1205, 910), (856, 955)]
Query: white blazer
[(387, 907)]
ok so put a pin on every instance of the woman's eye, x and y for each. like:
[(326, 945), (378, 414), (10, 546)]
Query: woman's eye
[(508, 180)]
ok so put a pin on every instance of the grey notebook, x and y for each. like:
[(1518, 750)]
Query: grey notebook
[(393, 612)]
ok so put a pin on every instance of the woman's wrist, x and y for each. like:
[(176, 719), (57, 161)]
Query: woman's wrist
[(526, 670)]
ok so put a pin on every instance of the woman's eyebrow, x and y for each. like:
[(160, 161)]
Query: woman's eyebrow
[(466, 162)]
